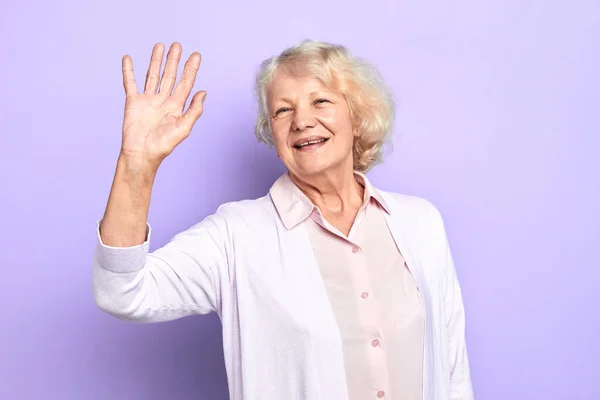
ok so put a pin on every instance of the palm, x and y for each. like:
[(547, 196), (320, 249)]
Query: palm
[(149, 124), (154, 122)]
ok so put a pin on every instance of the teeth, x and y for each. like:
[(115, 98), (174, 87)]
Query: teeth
[(311, 142)]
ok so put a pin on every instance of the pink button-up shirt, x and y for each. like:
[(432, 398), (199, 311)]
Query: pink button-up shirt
[(375, 300)]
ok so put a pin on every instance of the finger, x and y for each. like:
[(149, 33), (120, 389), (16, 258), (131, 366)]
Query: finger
[(194, 111), (170, 73), (188, 78), (128, 76), (154, 68)]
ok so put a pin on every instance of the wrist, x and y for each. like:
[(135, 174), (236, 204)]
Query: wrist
[(137, 169)]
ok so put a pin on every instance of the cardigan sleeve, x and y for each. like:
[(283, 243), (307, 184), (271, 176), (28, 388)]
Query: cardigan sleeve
[(460, 377), (182, 278)]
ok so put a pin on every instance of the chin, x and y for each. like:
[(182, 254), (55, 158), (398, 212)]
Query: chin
[(314, 168)]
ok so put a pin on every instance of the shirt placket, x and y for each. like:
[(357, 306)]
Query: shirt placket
[(370, 316)]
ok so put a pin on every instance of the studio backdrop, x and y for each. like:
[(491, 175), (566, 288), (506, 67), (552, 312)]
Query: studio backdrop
[(498, 106)]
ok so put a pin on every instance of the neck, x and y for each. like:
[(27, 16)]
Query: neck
[(333, 191)]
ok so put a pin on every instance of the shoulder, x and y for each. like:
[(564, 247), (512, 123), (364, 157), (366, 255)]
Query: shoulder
[(245, 208), (254, 213), (420, 212), (417, 206), (407, 202), (246, 218)]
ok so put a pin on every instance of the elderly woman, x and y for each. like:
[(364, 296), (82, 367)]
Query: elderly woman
[(327, 288)]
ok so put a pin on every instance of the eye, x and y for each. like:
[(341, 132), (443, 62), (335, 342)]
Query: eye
[(282, 110), (321, 101)]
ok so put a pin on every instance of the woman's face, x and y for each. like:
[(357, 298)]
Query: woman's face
[(311, 125)]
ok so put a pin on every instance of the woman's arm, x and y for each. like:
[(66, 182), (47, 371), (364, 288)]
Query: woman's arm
[(460, 377), (179, 278), (182, 278)]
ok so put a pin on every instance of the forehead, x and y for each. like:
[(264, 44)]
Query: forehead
[(284, 85)]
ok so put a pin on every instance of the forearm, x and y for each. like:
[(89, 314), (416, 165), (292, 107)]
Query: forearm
[(126, 215)]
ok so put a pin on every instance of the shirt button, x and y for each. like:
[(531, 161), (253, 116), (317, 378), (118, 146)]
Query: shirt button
[(364, 295), (355, 249), (380, 394), (375, 343)]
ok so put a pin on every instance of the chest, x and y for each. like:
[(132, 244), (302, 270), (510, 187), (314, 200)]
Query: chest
[(280, 300), (286, 278), (368, 283)]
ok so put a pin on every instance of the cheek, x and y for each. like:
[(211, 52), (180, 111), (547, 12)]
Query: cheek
[(280, 138), (276, 130), (329, 116), (337, 121)]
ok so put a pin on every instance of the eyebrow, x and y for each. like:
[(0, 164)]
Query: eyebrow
[(312, 94)]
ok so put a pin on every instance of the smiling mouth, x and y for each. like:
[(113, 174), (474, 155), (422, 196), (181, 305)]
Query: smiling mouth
[(310, 143)]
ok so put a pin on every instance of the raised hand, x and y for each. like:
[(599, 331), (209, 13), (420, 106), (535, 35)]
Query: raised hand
[(155, 121)]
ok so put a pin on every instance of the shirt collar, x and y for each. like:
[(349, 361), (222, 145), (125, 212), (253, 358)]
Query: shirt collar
[(294, 207)]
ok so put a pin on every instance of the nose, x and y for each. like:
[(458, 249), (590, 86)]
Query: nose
[(303, 119)]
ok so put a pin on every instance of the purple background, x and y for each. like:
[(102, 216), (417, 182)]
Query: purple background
[(498, 125)]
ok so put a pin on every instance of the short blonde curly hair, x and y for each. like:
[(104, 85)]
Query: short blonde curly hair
[(370, 101)]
